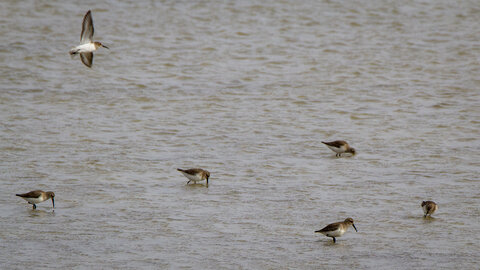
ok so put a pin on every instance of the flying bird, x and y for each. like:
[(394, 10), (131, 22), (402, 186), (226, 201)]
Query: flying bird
[(87, 45)]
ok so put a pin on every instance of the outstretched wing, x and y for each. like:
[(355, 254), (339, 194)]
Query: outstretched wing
[(87, 28), (87, 59)]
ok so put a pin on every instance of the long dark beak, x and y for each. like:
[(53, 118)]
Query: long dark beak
[(207, 180), (53, 202), (105, 47), (354, 227)]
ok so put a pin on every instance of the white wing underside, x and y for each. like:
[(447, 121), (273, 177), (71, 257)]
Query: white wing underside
[(87, 29)]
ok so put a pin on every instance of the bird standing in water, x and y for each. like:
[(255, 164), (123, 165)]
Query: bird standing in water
[(37, 196), (195, 175), (428, 208), (340, 147), (87, 46), (337, 229)]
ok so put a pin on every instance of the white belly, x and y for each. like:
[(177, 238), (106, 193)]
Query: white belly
[(83, 48), (336, 233), (34, 200), (337, 149), (194, 178)]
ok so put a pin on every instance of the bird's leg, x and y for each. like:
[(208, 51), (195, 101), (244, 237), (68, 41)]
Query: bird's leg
[(34, 206), (334, 240)]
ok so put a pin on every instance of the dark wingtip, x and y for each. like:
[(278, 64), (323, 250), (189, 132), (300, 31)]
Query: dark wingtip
[(19, 195)]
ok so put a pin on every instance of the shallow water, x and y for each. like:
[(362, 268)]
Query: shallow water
[(247, 90)]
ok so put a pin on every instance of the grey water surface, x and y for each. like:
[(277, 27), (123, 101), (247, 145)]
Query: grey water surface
[(246, 90)]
